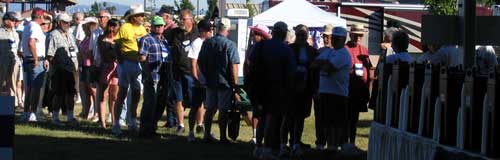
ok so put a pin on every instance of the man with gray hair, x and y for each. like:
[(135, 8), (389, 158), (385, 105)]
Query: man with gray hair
[(218, 61), (9, 42), (103, 19), (61, 52), (77, 27)]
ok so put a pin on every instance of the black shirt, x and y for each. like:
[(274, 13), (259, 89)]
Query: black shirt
[(179, 40)]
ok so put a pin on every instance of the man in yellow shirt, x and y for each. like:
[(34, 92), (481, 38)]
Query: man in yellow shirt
[(129, 68)]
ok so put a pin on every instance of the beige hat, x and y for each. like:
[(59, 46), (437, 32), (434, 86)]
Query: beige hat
[(64, 17), (136, 9), (224, 23), (327, 29), (358, 29)]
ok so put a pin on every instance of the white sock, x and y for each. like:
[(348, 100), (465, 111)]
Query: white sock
[(182, 125), (254, 133), (200, 124)]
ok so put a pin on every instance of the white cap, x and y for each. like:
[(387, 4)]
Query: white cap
[(89, 20), (64, 17), (339, 31), (224, 23)]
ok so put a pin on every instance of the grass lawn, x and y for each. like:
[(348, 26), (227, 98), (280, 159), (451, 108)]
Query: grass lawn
[(86, 141)]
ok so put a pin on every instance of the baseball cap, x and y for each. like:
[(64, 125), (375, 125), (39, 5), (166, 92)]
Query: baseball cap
[(168, 10), (13, 16), (339, 31), (64, 17), (204, 25), (224, 23), (157, 21)]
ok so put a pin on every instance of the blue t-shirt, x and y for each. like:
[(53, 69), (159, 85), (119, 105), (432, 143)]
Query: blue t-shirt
[(336, 82), (402, 56)]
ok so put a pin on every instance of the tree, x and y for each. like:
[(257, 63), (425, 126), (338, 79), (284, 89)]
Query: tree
[(96, 7), (185, 4), (212, 11), (250, 8)]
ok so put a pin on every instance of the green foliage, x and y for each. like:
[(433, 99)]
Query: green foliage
[(212, 5), (96, 7), (184, 4), (250, 8), (442, 7)]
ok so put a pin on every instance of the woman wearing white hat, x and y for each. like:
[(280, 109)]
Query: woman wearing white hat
[(87, 91), (129, 69)]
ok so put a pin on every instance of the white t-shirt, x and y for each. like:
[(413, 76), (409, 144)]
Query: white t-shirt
[(78, 32), (33, 30), (193, 52)]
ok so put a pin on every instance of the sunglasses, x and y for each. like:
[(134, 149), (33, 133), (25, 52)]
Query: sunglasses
[(100, 17), (157, 26)]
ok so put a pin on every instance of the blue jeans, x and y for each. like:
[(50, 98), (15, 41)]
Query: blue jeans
[(184, 88), (149, 106), (34, 74)]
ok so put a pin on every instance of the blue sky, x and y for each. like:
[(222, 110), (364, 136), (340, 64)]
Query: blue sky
[(203, 3)]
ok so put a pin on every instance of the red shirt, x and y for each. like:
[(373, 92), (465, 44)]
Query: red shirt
[(358, 53)]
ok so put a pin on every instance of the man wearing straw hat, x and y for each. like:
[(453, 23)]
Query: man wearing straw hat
[(359, 93), (326, 35), (129, 69)]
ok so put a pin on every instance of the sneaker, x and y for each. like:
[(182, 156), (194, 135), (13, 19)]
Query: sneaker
[(190, 137), (200, 129), (210, 139), (122, 123), (116, 130), (32, 118), (108, 118), (180, 130), (78, 100), (297, 150), (95, 119), (253, 141)]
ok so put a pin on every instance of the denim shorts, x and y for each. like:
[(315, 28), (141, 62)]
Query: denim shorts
[(129, 73), (183, 88), (33, 76)]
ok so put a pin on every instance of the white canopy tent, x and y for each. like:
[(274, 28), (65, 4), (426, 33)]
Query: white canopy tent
[(294, 12)]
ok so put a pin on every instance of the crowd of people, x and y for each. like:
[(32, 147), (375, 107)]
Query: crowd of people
[(106, 64)]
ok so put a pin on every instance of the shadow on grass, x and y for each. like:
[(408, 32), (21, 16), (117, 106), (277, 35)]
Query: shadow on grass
[(40, 147)]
